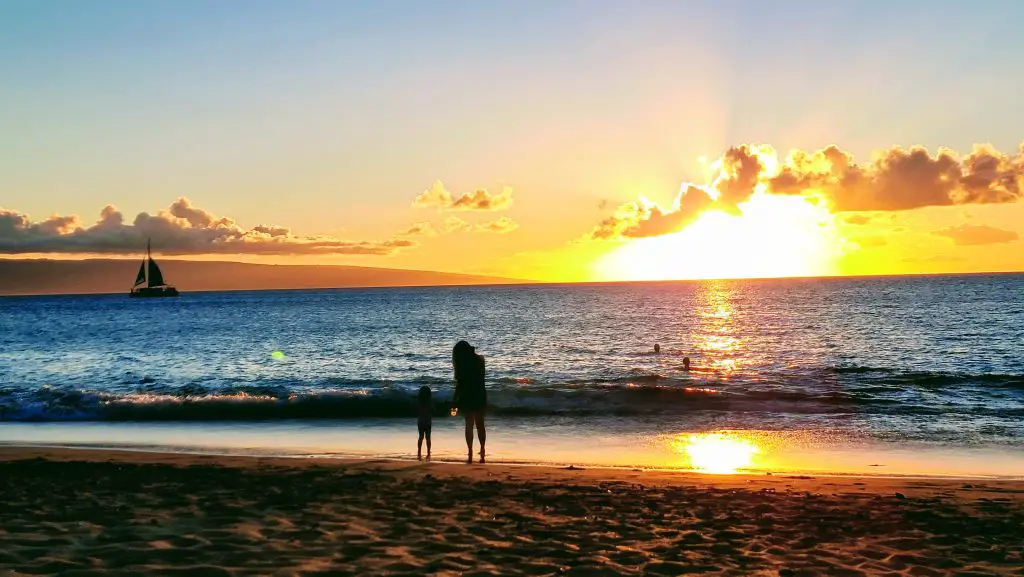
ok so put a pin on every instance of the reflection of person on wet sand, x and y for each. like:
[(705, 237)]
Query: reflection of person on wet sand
[(470, 394)]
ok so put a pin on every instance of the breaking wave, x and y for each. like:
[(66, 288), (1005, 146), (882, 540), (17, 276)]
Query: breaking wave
[(842, 390)]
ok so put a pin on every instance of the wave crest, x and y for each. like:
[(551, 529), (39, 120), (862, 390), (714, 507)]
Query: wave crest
[(842, 390)]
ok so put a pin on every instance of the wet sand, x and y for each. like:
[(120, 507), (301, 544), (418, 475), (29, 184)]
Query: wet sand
[(78, 512)]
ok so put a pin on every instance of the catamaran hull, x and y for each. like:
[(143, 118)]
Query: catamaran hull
[(153, 292)]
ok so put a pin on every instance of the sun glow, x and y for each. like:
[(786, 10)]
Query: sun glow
[(719, 453), (773, 236)]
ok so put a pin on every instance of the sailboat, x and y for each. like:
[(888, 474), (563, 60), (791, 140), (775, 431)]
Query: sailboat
[(150, 275)]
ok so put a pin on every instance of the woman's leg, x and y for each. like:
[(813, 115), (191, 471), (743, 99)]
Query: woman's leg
[(469, 437), (481, 433), (419, 446)]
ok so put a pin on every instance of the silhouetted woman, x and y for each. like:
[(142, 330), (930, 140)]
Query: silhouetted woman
[(470, 394)]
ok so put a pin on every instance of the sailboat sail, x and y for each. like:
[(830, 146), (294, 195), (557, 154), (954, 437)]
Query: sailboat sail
[(155, 278), (141, 277), (150, 275)]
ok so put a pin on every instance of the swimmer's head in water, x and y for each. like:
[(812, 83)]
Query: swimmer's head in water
[(686, 363), (657, 348)]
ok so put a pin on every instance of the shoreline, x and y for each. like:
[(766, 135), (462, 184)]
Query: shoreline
[(603, 444), (344, 459), (65, 453), (78, 511)]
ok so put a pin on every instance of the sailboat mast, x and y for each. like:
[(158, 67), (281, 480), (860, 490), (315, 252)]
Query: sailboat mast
[(149, 259)]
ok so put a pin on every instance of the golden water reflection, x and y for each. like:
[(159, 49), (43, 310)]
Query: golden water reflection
[(718, 342), (721, 453)]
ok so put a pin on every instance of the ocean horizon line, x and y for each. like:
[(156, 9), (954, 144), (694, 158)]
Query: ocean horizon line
[(511, 282)]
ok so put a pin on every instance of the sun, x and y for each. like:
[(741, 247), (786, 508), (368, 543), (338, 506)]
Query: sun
[(771, 236)]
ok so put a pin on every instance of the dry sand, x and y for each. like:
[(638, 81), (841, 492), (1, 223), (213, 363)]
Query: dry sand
[(109, 513)]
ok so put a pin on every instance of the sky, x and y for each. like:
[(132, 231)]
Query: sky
[(563, 141)]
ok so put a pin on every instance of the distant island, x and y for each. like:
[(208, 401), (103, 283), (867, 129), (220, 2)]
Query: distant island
[(44, 276)]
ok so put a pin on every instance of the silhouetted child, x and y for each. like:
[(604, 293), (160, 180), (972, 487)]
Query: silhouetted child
[(426, 411)]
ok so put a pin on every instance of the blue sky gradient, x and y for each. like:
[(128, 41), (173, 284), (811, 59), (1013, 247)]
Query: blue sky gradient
[(310, 112)]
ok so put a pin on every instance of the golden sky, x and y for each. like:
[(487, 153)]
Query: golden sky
[(556, 142), (756, 215)]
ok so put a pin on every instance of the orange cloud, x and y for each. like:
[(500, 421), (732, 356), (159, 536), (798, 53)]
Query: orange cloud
[(644, 218), (437, 196), (901, 179), (975, 235), (503, 225), (181, 229), (454, 223), (420, 229), (896, 179), (271, 230), (451, 224), (740, 170)]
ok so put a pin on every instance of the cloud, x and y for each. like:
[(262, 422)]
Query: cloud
[(181, 229), (503, 225), (975, 235), (857, 219), (740, 171), (420, 229), (902, 179), (437, 196), (895, 179), (452, 224), (271, 230), (644, 218)]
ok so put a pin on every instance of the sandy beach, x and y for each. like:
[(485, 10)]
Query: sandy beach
[(77, 512)]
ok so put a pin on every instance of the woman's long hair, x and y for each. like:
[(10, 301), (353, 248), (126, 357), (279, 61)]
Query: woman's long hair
[(462, 356)]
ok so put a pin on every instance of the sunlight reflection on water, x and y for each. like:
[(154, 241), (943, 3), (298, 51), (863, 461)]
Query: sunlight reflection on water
[(719, 344), (719, 453)]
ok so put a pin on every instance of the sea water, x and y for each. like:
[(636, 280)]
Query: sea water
[(896, 375)]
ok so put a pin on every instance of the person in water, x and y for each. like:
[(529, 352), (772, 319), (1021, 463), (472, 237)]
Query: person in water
[(686, 363), (423, 422), (470, 394), (657, 349)]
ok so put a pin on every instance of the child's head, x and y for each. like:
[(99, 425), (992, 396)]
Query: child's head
[(424, 395)]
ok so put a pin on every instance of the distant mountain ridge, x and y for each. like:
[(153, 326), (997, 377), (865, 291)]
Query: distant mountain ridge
[(45, 276)]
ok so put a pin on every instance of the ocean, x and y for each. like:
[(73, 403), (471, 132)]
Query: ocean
[(894, 375)]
